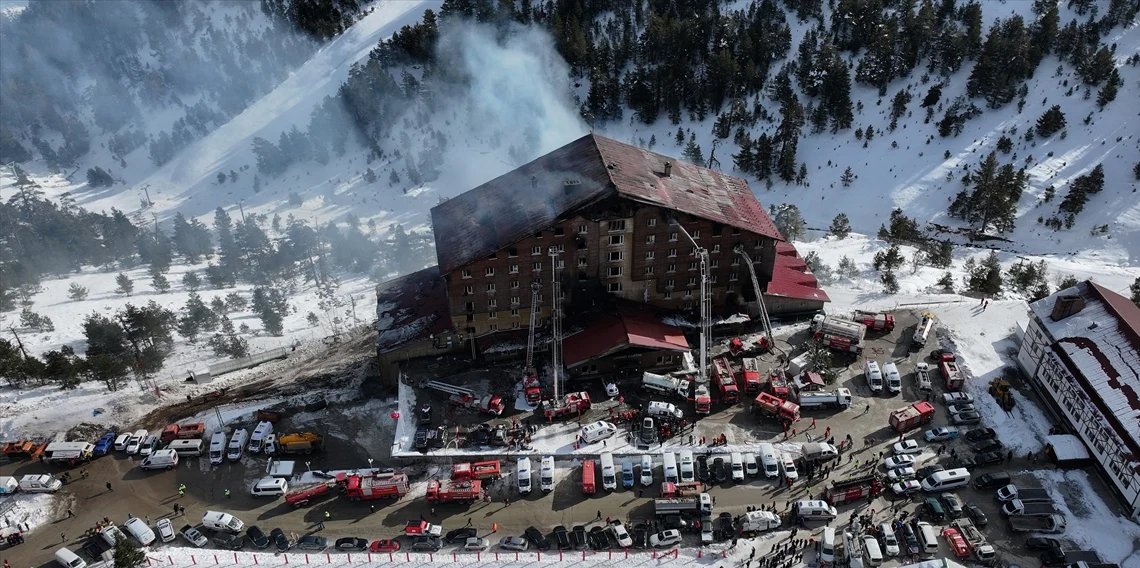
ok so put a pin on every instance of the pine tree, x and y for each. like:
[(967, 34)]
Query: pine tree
[(1135, 289), (160, 283), (840, 226), (986, 277), (271, 306), (312, 319), (888, 260), (847, 268), (946, 282), (847, 177), (890, 282), (125, 286), (789, 221), (1051, 121), (693, 153), (76, 292), (1107, 93), (128, 554), (191, 281)]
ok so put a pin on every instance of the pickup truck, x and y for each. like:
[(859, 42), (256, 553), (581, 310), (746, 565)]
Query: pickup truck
[(1028, 495), (1058, 557), (974, 537), (1049, 524), (1019, 507)]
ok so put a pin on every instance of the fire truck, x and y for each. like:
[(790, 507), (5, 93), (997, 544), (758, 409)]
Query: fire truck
[(478, 470), (853, 489), (750, 374), (670, 490), (875, 320), (422, 528), (387, 485), (300, 496), (776, 407), (911, 417), (572, 405), (955, 380), (839, 334), (777, 384), (467, 398), (725, 383), (464, 492), (702, 401)]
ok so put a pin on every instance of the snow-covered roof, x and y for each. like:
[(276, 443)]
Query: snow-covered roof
[(1067, 447), (1102, 340)]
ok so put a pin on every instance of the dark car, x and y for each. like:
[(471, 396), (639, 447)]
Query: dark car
[(104, 444), (578, 538), (256, 537), (437, 437), (460, 535), (421, 439), (703, 469), (910, 539), (675, 522), (598, 539), (279, 540), (1053, 557), (561, 538), (965, 463), (1042, 543), (426, 544), (425, 415), (312, 542), (929, 470), (719, 471), (991, 445), (536, 538), (481, 436), (976, 515), (988, 458), (499, 435), (993, 479), (723, 527), (979, 434), (229, 541), (640, 536), (351, 544), (648, 431)]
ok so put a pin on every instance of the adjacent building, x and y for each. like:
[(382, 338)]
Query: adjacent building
[(1082, 350)]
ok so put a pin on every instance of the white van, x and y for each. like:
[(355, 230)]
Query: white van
[(524, 475), (186, 448), (222, 522), (894, 379), (687, 472), (237, 444), (646, 470), (768, 460), (8, 485), (737, 466), (40, 483), (111, 534), (927, 538), (827, 547), (546, 474), (670, 467), (946, 479), (257, 439), (138, 528), (161, 459), (609, 473), (750, 465), (218, 447), (68, 559), (814, 510), (269, 487), (663, 409), (872, 555), (136, 441), (270, 446), (597, 431), (121, 442), (874, 376)]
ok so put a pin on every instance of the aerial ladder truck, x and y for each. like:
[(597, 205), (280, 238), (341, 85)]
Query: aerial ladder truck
[(467, 398), (531, 386), (569, 404)]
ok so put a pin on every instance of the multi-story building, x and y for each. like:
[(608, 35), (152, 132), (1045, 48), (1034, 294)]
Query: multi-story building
[(1082, 350)]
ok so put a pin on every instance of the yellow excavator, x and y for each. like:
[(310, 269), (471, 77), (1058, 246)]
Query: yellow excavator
[(1001, 390)]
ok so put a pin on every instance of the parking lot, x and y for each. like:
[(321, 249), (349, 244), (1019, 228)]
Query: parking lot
[(358, 430)]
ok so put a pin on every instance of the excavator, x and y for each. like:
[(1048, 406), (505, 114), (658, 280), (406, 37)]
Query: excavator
[(1001, 390)]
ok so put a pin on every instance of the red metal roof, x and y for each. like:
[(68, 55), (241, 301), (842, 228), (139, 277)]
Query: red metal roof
[(786, 248), (791, 277), (411, 308), (629, 326)]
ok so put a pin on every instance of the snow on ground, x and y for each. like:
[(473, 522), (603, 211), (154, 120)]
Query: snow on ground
[(27, 511), (1089, 522)]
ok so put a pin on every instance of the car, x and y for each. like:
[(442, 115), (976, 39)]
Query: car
[(351, 544), (907, 447), (953, 504), (927, 471), (460, 535), (979, 434), (1042, 543), (420, 442), (960, 408), (105, 444), (134, 444), (703, 469), (481, 436), (536, 538), (674, 522), (499, 435), (385, 545), (671, 537), (598, 539), (976, 515), (991, 445), (194, 536), (707, 536), (515, 543), (255, 537), (910, 539), (640, 536), (788, 466), (476, 544), (888, 540), (229, 541), (280, 541), (719, 470), (895, 462), (1055, 557), (425, 543), (907, 487), (312, 542), (648, 431), (165, 530), (618, 532), (957, 398), (956, 542), (988, 458), (992, 479), (561, 538), (425, 415), (149, 446), (901, 473), (940, 434), (962, 462), (578, 538), (966, 418)]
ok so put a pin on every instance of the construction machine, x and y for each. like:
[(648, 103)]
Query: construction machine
[(1001, 390)]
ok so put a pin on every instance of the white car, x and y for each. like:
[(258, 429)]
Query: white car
[(907, 447), (895, 462), (901, 474), (960, 408), (671, 537), (149, 445), (906, 487), (889, 540), (957, 398), (788, 466), (136, 442), (620, 534), (476, 544), (941, 434), (165, 530), (138, 528), (194, 536), (515, 543)]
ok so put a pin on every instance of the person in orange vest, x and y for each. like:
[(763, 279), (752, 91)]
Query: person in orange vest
[(494, 527)]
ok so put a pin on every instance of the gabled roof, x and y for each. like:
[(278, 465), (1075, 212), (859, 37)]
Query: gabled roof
[(534, 196), (411, 308), (791, 277), (630, 325)]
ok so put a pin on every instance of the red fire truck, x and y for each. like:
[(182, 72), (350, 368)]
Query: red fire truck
[(955, 380), (736, 347), (477, 470), (778, 384), (572, 405), (533, 388), (702, 401), (671, 490), (387, 485), (725, 383), (878, 321), (853, 489), (588, 484), (465, 492), (300, 496), (777, 407), (750, 374), (911, 417)]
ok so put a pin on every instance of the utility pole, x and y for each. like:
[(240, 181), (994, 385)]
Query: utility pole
[(19, 343), (146, 191), (242, 210)]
